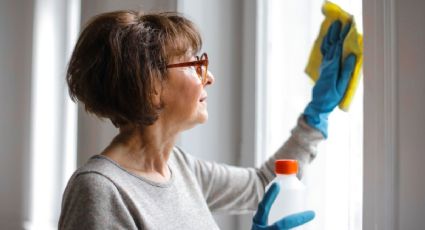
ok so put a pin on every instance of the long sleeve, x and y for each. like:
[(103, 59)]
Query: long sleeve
[(301, 146), (237, 190)]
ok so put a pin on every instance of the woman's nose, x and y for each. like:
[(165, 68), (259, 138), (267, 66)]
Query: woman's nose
[(210, 79)]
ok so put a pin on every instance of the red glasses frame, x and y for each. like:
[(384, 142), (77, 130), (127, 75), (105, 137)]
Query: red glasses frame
[(201, 66)]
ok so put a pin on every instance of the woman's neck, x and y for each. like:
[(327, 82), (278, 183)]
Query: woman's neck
[(143, 152)]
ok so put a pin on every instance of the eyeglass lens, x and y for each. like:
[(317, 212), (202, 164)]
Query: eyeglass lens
[(202, 69)]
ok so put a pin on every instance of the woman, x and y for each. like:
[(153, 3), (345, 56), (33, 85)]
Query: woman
[(141, 72)]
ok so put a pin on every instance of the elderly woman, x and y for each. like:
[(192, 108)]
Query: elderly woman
[(141, 72)]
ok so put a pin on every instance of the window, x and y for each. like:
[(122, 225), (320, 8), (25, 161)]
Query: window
[(54, 115), (334, 179)]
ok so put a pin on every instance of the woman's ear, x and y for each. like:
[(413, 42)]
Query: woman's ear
[(157, 93)]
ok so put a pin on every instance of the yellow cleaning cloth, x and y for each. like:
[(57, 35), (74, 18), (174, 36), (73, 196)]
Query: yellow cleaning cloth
[(353, 43)]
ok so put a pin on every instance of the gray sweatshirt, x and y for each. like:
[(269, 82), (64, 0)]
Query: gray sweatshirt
[(103, 195)]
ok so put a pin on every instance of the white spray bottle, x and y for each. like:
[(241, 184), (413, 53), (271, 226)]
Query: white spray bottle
[(292, 196)]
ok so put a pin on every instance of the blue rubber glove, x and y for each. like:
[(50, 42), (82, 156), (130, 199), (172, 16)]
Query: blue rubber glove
[(333, 79), (288, 222)]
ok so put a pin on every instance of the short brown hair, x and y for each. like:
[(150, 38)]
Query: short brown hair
[(117, 57)]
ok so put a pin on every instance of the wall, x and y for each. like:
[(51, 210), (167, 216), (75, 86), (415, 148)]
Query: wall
[(394, 127), (15, 81), (411, 110)]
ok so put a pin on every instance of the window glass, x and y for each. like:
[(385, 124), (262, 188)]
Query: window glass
[(334, 179)]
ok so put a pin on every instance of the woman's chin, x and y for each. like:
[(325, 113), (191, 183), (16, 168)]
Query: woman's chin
[(203, 117)]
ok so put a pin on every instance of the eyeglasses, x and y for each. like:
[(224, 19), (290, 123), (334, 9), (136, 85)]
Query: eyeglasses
[(201, 66)]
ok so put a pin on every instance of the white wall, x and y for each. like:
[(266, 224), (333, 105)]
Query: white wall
[(220, 23), (394, 191), (411, 112), (15, 75)]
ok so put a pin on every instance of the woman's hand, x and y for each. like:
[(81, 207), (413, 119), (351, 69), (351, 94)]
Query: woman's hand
[(333, 80), (288, 222)]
